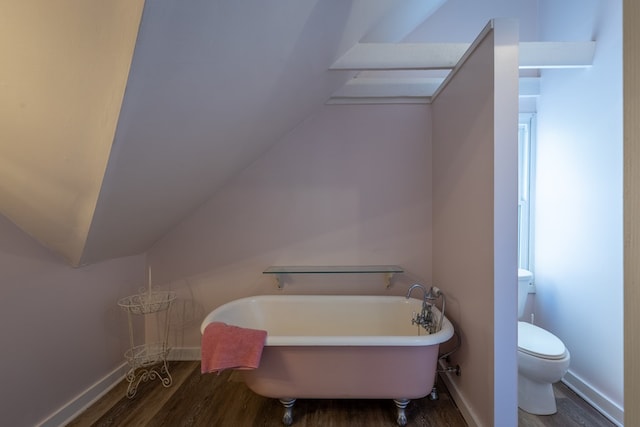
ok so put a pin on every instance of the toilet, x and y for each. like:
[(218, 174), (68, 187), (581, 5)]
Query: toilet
[(542, 359)]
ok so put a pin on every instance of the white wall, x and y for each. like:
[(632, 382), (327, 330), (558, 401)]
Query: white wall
[(475, 223), (350, 185), (578, 216), (62, 330)]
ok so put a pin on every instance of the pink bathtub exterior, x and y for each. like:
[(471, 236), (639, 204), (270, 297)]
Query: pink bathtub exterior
[(327, 346)]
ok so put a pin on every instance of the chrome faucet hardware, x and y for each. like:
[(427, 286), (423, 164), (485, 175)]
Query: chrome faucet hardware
[(426, 318)]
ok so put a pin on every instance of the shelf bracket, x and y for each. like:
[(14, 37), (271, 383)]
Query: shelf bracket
[(279, 281), (388, 277)]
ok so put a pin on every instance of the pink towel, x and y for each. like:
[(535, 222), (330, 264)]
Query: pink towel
[(230, 347)]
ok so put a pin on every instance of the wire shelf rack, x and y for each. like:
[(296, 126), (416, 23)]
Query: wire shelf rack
[(149, 360), (145, 355), (147, 302)]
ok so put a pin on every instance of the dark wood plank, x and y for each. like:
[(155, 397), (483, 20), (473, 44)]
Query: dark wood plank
[(115, 409)]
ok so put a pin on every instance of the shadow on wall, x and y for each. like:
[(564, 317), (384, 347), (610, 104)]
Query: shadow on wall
[(186, 314)]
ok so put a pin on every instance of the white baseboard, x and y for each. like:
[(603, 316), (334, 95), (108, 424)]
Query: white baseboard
[(466, 411), (602, 404), (184, 353), (85, 399), (610, 410)]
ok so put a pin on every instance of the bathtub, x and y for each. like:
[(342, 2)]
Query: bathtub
[(338, 347)]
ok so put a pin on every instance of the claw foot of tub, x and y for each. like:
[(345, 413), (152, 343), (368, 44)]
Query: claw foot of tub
[(287, 418), (434, 394), (401, 405)]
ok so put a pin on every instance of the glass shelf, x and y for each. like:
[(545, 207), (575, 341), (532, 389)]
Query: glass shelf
[(328, 269), (387, 270)]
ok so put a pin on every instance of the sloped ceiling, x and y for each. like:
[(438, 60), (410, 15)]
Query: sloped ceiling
[(212, 86), (94, 171), (119, 118)]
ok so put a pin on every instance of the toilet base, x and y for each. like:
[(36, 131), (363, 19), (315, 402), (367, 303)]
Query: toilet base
[(536, 398)]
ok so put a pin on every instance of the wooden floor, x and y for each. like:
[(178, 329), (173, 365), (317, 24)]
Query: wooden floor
[(223, 400), (572, 411)]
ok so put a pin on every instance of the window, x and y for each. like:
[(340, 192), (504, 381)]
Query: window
[(526, 145)]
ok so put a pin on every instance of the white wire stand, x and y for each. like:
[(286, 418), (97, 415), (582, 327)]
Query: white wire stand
[(148, 361)]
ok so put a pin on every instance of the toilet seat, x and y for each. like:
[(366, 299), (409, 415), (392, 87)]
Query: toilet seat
[(538, 342)]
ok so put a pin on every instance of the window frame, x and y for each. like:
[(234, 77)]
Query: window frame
[(526, 187)]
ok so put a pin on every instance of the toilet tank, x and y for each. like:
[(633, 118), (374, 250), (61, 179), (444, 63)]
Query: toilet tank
[(525, 277)]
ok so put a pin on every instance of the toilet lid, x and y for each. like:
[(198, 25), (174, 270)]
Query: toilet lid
[(538, 342)]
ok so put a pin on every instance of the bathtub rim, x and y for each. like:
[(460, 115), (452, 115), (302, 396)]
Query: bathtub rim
[(437, 338)]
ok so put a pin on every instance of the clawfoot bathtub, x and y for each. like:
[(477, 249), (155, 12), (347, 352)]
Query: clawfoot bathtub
[(338, 347)]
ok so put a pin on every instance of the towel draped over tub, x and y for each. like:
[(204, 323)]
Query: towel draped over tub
[(231, 347)]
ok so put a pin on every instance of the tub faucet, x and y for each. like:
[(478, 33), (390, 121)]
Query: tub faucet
[(425, 318)]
